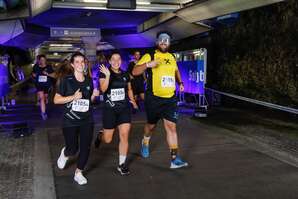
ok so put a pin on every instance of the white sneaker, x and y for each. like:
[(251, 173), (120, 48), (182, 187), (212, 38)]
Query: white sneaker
[(79, 178), (61, 162)]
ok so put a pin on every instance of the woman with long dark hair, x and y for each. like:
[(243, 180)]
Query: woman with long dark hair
[(76, 92)]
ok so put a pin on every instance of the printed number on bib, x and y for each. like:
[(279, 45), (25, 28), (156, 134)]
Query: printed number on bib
[(117, 94), (80, 105), (167, 81), (42, 78)]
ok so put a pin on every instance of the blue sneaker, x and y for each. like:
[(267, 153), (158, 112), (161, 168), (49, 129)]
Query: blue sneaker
[(145, 150), (178, 163)]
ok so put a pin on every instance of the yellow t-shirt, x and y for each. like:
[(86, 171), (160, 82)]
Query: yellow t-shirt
[(161, 79)]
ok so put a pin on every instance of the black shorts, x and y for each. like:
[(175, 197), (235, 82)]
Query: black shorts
[(45, 89), (161, 108), (112, 117), (137, 87)]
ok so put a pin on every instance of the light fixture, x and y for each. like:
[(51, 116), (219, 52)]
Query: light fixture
[(143, 3), (60, 45), (95, 1)]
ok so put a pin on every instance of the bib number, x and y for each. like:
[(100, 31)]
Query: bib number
[(80, 105), (167, 81), (42, 78), (117, 94)]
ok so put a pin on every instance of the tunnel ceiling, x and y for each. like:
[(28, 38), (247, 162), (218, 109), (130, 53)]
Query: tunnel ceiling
[(138, 25)]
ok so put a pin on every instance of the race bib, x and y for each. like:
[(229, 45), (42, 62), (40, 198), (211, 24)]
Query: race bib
[(80, 105), (117, 94), (167, 81), (42, 78)]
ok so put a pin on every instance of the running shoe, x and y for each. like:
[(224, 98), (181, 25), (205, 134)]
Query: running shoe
[(123, 169), (61, 162), (145, 150), (178, 163), (79, 178)]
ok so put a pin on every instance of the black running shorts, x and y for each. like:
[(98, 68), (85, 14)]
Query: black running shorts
[(161, 108), (45, 89), (112, 117)]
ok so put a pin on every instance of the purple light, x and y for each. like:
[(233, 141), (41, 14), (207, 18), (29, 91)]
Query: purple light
[(4, 86), (9, 30)]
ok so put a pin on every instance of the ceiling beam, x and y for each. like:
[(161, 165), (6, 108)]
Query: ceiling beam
[(102, 6)]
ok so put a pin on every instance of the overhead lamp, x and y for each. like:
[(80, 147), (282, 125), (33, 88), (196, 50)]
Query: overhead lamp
[(95, 1), (144, 3), (60, 45)]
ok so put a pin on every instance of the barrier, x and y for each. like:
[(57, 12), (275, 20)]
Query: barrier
[(262, 103)]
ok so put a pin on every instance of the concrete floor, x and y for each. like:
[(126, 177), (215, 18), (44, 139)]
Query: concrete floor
[(219, 168)]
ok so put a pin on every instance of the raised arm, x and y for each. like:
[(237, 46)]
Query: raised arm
[(104, 82)]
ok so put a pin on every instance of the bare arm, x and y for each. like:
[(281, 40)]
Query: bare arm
[(139, 69), (130, 92), (104, 83), (59, 99), (178, 76), (53, 75), (179, 81), (131, 96)]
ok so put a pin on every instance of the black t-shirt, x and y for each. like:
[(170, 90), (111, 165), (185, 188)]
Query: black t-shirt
[(41, 79), (116, 96), (80, 111), (138, 79)]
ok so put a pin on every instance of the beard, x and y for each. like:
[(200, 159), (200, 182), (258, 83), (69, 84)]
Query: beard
[(163, 50)]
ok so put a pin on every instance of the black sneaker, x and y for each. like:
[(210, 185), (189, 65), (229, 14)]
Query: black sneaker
[(98, 139), (123, 169)]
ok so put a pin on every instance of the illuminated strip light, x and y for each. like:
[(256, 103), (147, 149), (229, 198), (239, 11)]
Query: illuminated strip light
[(95, 1), (143, 3), (105, 1), (267, 104), (60, 45)]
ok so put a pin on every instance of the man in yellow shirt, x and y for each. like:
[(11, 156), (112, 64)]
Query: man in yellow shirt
[(160, 100)]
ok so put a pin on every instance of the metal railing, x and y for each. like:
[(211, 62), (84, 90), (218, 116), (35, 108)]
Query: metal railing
[(262, 103)]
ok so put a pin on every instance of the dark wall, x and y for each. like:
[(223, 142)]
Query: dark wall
[(257, 57)]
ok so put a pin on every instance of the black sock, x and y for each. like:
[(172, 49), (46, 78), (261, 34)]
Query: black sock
[(174, 153)]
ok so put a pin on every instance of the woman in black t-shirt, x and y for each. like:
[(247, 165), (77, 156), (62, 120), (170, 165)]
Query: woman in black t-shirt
[(43, 75), (76, 92), (115, 84)]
